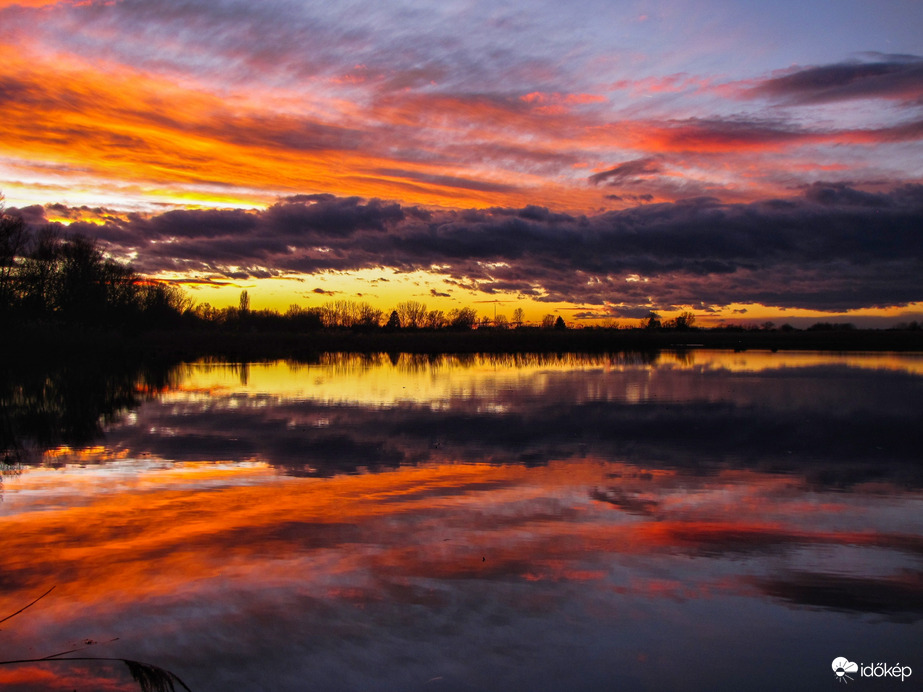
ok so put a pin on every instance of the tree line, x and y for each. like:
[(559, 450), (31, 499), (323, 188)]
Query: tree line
[(52, 277)]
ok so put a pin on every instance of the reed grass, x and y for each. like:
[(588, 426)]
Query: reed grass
[(150, 678)]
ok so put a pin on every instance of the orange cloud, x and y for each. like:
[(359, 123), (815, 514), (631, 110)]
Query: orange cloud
[(558, 104), (74, 125), (121, 126), (28, 3), (670, 84)]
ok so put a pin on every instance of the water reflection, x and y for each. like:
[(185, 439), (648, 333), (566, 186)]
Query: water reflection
[(69, 404), (855, 424), (532, 523)]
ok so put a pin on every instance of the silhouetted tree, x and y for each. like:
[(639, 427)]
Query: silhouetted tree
[(206, 312), (462, 318), (394, 321), (338, 313), (436, 319), (162, 303), (652, 321), (90, 288), (412, 313), (831, 327), (68, 279), (559, 323), (307, 320), (684, 321), (368, 317), (12, 242), (346, 314), (518, 317)]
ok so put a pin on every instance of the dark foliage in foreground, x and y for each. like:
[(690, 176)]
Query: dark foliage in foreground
[(47, 277)]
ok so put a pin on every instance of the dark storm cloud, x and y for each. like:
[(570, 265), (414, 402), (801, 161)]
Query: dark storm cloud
[(638, 199), (330, 216), (834, 247), (890, 77)]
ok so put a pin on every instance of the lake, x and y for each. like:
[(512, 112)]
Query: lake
[(699, 520)]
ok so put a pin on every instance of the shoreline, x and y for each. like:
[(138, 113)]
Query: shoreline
[(51, 343)]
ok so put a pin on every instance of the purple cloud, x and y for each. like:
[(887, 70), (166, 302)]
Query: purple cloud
[(896, 77), (628, 172), (834, 247)]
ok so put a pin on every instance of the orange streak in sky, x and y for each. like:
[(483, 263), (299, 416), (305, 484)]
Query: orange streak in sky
[(114, 124), (28, 3), (107, 124)]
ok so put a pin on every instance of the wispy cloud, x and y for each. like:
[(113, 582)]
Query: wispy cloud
[(457, 106)]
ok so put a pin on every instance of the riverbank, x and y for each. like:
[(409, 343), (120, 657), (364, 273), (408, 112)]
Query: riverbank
[(49, 342)]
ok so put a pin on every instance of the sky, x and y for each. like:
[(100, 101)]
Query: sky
[(746, 161)]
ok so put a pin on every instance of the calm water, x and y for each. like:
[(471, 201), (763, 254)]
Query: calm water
[(713, 521)]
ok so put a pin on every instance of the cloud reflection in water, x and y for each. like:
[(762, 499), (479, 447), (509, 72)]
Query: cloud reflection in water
[(618, 521)]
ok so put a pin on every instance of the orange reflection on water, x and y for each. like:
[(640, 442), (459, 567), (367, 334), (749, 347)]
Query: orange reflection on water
[(643, 485), (67, 677), (183, 545), (170, 531)]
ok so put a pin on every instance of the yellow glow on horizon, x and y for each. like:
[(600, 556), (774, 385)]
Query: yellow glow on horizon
[(383, 288), (756, 314)]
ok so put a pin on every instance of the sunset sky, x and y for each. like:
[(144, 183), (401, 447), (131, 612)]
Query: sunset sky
[(744, 160)]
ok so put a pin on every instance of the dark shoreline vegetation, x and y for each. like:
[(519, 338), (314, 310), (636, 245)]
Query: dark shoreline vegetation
[(50, 343), (61, 297), (61, 385)]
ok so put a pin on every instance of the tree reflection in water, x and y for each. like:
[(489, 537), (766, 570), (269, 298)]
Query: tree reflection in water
[(68, 403)]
